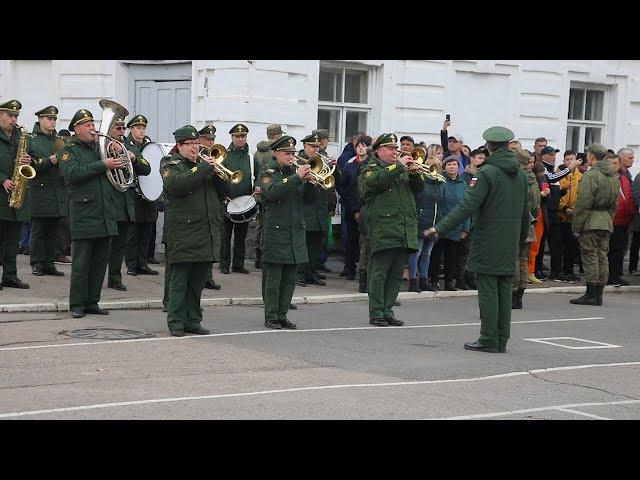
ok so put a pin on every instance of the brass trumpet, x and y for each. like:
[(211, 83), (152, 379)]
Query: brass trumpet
[(218, 152), (321, 173), (430, 171)]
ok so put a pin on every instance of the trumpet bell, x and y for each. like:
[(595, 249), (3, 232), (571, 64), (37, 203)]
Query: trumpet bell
[(329, 182), (236, 177), (419, 154), (27, 171)]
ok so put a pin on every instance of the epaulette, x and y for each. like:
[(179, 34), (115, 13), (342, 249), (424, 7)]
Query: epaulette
[(174, 162), (269, 170)]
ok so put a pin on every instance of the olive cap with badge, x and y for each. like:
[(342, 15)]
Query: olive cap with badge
[(239, 129), (209, 131), (385, 140), (137, 120), (285, 143), (188, 132), (498, 134), (12, 106), (50, 111), (81, 116)]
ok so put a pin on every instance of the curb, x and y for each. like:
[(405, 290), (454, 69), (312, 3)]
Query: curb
[(310, 300)]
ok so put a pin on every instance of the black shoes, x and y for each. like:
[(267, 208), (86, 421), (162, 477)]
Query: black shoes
[(414, 285), (77, 313), (212, 285), (301, 283), (15, 283), (197, 331), (273, 324), (316, 281), (224, 270), (397, 303), (117, 286), (394, 322), (362, 284), (590, 297), (96, 311), (287, 324), (351, 276), (448, 285), (461, 284), (320, 276), (177, 333), (37, 271), (165, 309), (147, 271), (258, 263), (478, 347), (239, 270), (516, 299), (53, 271), (292, 307), (323, 268), (132, 271), (379, 322), (153, 261)]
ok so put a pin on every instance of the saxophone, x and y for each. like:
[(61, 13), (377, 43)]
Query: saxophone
[(21, 173)]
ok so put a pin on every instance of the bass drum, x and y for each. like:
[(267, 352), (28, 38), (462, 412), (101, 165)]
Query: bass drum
[(242, 209), (150, 186)]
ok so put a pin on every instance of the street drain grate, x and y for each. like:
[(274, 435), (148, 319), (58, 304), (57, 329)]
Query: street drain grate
[(106, 333)]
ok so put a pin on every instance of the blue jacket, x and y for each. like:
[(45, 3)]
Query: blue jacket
[(347, 153), (429, 205), (348, 185), (453, 192)]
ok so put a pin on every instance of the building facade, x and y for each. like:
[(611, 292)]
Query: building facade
[(571, 103)]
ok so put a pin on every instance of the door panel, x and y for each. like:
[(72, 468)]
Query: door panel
[(167, 105)]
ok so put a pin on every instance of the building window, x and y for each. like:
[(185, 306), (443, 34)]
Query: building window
[(587, 111), (344, 106)]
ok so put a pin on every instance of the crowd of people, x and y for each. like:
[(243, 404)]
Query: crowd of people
[(409, 210)]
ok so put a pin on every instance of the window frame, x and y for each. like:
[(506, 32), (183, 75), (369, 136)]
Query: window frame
[(342, 106), (584, 124)]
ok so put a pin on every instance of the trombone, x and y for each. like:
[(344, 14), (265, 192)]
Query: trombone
[(321, 173), (218, 152)]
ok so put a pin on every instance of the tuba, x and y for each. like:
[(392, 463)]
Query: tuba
[(218, 152), (124, 177), (21, 173)]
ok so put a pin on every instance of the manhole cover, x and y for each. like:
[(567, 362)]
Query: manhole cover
[(106, 333)]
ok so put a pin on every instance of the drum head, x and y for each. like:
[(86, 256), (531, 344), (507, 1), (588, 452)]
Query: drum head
[(151, 185), (241, 204)]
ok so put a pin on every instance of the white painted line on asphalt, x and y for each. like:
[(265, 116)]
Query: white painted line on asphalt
[(252, 332), (539, 409), (597, 344), (577, 412), (320, 387)]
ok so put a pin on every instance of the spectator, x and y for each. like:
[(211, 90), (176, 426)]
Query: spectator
[(348, 190), (536, 274), (566, 211), (428, 202), (619, 240), (407, 144), (453, 191), (452, 145), (538, 145), (626, 162), (515, 145), (435, 150)]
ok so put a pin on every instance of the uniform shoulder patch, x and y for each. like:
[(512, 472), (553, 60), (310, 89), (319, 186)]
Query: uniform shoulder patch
[(194, 169), (270, 170), (174, 162), (285, 180), (65, 156), (144, 161), (367, 173), (165, 173), (266, 180)]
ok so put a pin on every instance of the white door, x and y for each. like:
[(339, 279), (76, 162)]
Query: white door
[(166, 104)]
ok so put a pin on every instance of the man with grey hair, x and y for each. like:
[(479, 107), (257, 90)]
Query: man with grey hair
[(593, 222)]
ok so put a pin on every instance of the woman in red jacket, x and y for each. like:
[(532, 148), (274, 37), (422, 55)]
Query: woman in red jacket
[(619, 240)]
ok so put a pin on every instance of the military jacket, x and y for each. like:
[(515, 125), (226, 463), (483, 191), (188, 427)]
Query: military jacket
[(238, 159), (597, 199), (283, 227), (391, 209), (193, 213), (92, 211), (316, 203), (47, 192), (497, 201), (263, 153), (8, 149), (144, 210)]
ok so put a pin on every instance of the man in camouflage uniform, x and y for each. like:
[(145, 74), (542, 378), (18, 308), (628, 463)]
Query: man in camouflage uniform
[(593, 222), (281, 188), (391, 224)]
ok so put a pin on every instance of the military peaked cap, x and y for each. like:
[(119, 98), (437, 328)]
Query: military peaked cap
[(498, 134), (13, 106), (49, 111), (284, 144), (311, 140), (188, 132), (208, 131), (137, 120), (239, 129), (81, 116), (386, 140)]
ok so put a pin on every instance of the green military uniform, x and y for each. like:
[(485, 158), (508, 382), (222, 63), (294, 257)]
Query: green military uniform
[(362, 230), (125, 216), (92, 218), (391, 229), (284, 238), (238, 159), (167, 265), (47, 196), (10, 218), (145, 214), (193, 233), (497, 202), (593, 221)]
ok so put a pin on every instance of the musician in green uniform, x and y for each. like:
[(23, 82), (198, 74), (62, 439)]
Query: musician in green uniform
[(283, 247), (193, 211), (145, 216), (497, 199), (238, 159), (388, 190), (10, 218), (124, 208), (47, 193), (92, 213)]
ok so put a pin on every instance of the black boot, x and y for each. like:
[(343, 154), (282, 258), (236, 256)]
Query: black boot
[(258, 258), (514, 300), (448, 285), (520, 295), (423, 284), (362, 287), (461, 284), (413, 285), (588, 298), (599, 289)]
